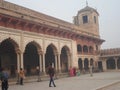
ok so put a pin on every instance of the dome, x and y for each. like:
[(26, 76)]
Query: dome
[(87, 8)]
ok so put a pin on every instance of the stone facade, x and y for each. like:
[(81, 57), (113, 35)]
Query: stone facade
[(29, 39), (110, 59)]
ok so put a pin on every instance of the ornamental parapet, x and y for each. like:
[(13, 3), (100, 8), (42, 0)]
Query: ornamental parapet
[(110, 52)]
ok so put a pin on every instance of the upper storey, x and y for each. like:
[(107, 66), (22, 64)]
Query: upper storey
[(87, 18), (17, 17)]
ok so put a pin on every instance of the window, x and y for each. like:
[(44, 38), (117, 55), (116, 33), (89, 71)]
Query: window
[(85, 19), (94, 19)]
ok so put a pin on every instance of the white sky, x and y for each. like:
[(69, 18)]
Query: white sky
[(109, 10)]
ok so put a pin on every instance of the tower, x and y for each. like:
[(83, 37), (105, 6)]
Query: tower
[(87, 18)]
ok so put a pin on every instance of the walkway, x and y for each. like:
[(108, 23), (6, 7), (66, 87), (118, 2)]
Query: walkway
[(83, 82)]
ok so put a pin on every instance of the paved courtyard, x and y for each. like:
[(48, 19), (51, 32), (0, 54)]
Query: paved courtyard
[(108, 80)]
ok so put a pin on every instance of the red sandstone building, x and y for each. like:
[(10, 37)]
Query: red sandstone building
[(29, 39)]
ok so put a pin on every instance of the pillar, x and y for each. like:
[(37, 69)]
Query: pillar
[(18, 62), (59, 65), (104, 64), (43, 63), (56, 63), (116, 67), (40, 62), (21, 60), (83, 63)]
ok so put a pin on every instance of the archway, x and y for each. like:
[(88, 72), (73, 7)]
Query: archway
[(80, 64), (50, 55), (86, 63), (31, 58), (64, 59), (110, 63), (100, 67), (8, 56), (91, 62)]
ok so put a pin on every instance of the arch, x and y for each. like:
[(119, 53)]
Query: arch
[(91, 49), (118, 63), (91, 62), (64, 58), (31, 57), (51, 51), (85, 49), (110, 63), (86, 63), (100, 66), (80, 64), (79, 48), (8, 55)]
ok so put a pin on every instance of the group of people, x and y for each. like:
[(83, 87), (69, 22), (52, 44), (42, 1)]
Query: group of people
[(72, 72), (51, 73), (4, 77)]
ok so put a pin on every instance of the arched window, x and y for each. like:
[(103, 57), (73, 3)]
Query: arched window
[(79, 48), (91, 49), (85, 49), (94, 19)]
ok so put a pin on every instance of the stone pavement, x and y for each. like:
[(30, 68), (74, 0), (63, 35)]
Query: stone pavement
[(82, 82)]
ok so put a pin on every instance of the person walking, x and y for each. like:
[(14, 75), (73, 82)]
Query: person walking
[(38, 73), (4, 79), (21, 75), (51, 73)]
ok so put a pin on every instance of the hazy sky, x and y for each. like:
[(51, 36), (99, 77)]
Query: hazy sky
[(109, 10)]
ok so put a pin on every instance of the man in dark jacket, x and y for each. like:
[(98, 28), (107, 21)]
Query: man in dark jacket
[(4, 79), (51, 73)]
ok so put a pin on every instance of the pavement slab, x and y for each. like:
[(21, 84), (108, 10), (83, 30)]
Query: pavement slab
[(82, 82)]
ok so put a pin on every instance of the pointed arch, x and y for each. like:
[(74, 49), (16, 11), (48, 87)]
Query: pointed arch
[(90, 49), (50, 54), (8, 55), (86, 64), (65, 59), (85, 49), (80, 65), (31, 57), (110, 63), (79, 48)]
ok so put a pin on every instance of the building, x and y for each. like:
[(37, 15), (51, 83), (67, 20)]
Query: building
[(109, 59), (29, 39)]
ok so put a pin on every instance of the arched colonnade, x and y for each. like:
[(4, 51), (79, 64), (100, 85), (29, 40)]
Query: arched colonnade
[(84, 64), (29, 55)]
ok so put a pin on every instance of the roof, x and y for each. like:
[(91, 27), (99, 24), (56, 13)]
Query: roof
[(87, 8)]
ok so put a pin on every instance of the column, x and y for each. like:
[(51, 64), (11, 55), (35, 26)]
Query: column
[(21, 60), (59, 66), (18, 66), (83, 63), (56, 63), (104, 64), (18, 62), (39, 68), (43, 63), (116, 67), (40, 62)]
